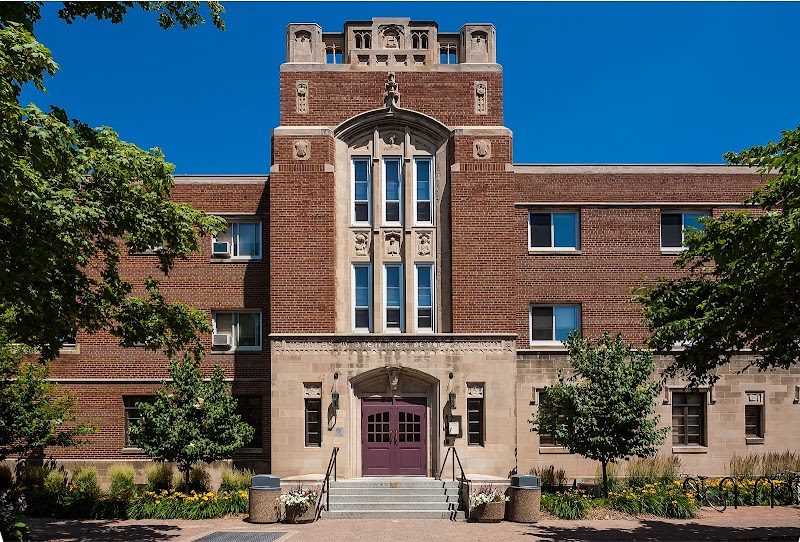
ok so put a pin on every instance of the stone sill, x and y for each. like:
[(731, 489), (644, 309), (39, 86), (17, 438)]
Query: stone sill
[(132, 450), (69, 350), (234, 260), (532, 252), (690, 449), (754, 440), (233, 351), (553, 450)]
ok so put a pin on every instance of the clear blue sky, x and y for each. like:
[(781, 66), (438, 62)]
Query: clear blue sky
[(584, 82)]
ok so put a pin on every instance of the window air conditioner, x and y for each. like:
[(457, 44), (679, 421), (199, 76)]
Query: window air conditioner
[(221, 340), (221, 249)]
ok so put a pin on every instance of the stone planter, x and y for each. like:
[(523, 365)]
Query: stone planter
[(295, 514), (490, 512)]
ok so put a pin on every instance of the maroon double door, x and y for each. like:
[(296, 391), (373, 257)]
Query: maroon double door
[(393, 435)]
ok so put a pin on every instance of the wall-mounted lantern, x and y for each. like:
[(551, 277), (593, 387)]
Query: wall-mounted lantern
[(335, 401), (452, 396)]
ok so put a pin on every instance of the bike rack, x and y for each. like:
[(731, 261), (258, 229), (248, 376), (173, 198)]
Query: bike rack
[(771, 491), (735, 490)]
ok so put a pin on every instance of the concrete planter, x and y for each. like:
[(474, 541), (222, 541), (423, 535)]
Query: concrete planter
[(490, 512), (295, 514)]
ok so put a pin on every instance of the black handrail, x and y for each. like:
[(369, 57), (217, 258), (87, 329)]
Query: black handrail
[(326, 484), (461, 481)]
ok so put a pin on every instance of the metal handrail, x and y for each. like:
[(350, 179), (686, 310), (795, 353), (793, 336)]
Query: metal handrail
[(326, 484), (461, 481)]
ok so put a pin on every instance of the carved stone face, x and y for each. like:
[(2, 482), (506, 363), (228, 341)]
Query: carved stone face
[(301, 148), (482, 148)]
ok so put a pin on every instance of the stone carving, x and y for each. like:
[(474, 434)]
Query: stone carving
[(755, 397), (483, 148), (480, 97), (302, 149), (424, 244), (479, 42), (391, 35), (302, 97), (391, 141), (393, 347), (391, 95), (302, 42), (474, 390), (393, 241), (362, 243), (394, 378), (313, 390)]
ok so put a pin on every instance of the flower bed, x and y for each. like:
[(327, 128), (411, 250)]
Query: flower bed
[(176, 505)]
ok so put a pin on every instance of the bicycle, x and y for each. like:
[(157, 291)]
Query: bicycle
[(793, 481), (705, 494)]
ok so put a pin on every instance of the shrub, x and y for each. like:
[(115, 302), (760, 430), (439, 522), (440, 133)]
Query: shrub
[(649, 470), (199, 480), (123, 481), (567, 505), (34, 475), (235, 479), (6, 478), (56, 481), (159, 477)]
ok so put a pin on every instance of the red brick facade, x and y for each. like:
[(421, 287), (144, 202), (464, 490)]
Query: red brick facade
[(486, 267)]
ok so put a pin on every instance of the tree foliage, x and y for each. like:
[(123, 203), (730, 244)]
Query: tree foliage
[(605, 410), (32, 412), (741, 287), (191, 420), (73, 199)]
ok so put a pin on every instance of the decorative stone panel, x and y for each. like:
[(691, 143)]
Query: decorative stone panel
[(482, 149), (301, 88), (301, 149), (312, 390), (481, 107), (361, 241)]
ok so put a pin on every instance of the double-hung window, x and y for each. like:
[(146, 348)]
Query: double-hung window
[(550, 324), (674, 227), (423, 191), (475, 425), (424, 297), (313, 423), (236, 330), (688, 419), (553, 231), (241, 240), (393, 286), (362, 297), (132, 414), (392, 190), (360, 172), (754, 421)]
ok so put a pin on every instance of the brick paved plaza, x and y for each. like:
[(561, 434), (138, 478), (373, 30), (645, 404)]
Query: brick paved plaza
[(743, 524)]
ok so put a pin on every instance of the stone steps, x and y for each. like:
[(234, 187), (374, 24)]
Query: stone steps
[(399, 498)]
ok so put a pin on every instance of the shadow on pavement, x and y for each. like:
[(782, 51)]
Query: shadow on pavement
[(80, 530), (665, 532)]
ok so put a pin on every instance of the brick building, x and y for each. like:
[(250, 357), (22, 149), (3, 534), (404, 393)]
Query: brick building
[(398, 285)]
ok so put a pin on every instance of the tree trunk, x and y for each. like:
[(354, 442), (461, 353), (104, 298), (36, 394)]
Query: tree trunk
[(605, 479)]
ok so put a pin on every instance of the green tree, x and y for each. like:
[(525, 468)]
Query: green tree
[(191, 420), (32, 412), (741, 282), (74, 198), (605, 411)]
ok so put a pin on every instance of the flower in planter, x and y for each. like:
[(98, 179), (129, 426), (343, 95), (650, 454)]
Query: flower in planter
[(299, 498), (487, 494)]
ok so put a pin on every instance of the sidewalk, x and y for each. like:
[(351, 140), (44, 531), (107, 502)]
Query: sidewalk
[(750, 523)]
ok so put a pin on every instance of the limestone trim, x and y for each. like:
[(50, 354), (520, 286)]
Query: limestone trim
[(631, 204), (465, 68), (634, 169), (394, 344), (141, 380), (481, 131), (221, 179), (377, 119), (302, 131)]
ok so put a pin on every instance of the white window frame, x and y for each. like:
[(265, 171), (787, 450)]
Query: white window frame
[(431, 189), (683, 228), (432, 270), (399, 160), (235, 331), (233, 227), (552, 342), (552, 247), (353, 297), (353, 161), (386, 327)]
